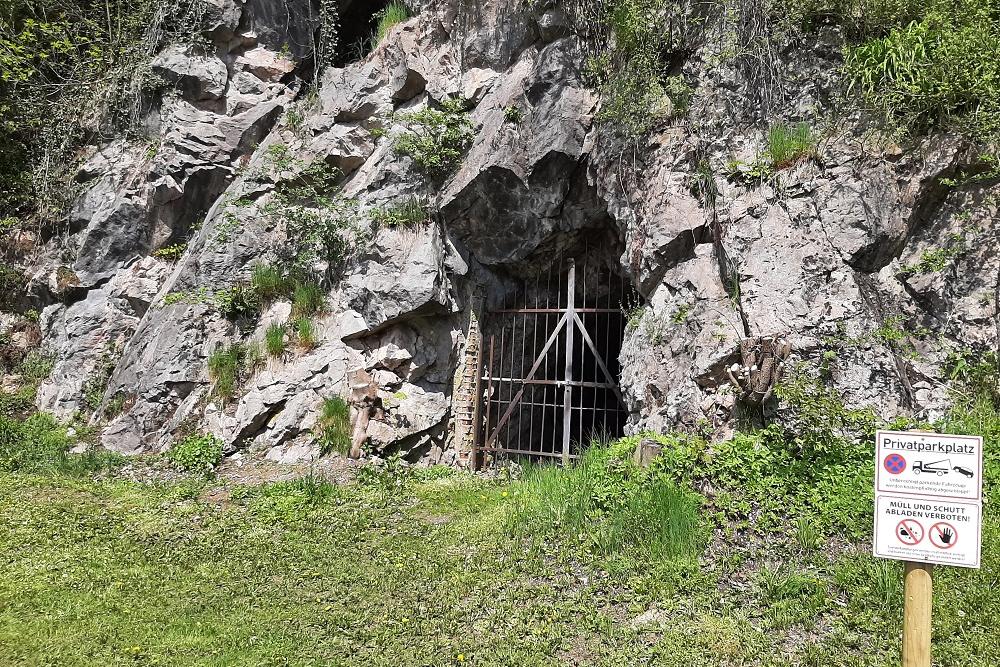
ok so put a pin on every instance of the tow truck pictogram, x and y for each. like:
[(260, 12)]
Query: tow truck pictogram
[(941, 468)]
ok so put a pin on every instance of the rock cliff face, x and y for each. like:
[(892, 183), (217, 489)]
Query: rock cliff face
[(861, 257)]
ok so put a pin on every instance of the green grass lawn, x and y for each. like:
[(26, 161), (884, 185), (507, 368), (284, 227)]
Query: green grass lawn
[(441, 569)]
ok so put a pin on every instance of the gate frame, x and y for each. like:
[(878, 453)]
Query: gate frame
[(567, 325)]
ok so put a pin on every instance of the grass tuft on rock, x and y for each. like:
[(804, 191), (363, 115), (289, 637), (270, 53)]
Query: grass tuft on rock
[(335, 426), (395, 13)]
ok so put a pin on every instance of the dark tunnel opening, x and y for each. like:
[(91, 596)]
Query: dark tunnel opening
[(358, 21), (535, 404)]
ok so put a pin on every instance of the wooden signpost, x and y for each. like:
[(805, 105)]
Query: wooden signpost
[(928, 510)]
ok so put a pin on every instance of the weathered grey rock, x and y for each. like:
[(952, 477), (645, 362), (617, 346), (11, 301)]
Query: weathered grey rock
[(198, 77), (860, 255)]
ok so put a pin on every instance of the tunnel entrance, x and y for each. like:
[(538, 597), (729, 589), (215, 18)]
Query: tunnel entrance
[(358, 19), (549, 381)]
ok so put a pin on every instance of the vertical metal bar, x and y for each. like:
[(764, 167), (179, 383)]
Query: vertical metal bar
[(513, 347), (520, 409), (583, 351), (489, 395), (568, 391), (534, 355), (501, 382), (555, 365)]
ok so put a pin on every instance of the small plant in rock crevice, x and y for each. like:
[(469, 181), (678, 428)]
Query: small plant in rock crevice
[(239, 302), (513, 115), (409, 213), (274, 341), (436, 139), (229, 366), (268, 282), (788, 144), (171, 253), (334, 424), (305, 333), (308, 299)]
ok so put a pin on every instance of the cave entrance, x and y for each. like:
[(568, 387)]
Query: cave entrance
[(358, 19), (549, 381)]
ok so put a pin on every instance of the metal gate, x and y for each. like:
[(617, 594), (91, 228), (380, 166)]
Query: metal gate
[(549, 380)]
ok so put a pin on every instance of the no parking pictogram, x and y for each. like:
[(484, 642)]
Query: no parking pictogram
[(909, 532), (943, 535), (894, 464)]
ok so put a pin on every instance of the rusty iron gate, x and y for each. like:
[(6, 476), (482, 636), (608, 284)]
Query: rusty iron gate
[(549, 366)]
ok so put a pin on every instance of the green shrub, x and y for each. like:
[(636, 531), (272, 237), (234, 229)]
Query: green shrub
[(513, 115), (335, 426), (939, 70), (321, 224), (39, 444), (309, 299), (632, 42), (196, 453), (36, 366), (395, 13), (787, 144), (268, 282), (274, 340), (171, 253), (305, 333), (613, 506), (410, 212), (436, 139), (238, 302), (859, 18)]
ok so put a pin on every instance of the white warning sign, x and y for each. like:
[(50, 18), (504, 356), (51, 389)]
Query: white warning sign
[(930, 465), (944, 532)]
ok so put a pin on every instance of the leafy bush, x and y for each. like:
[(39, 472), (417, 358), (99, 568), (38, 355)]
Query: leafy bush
[(939, 70), (410, 212), (196, 453), (859, 18), (70, 72), (320, 226), (632, 42), (238, 302), (335, 426), (274, 340), (308, 299), (436, 139), (394, 13), (614, 506), (305, 333), (786, 144), (171, 253)]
